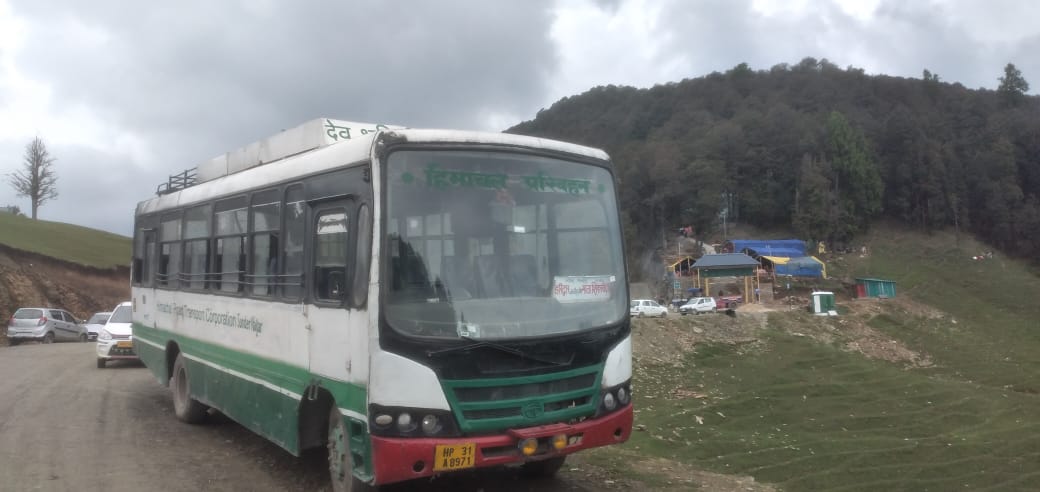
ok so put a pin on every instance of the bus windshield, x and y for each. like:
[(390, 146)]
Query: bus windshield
[(500, 245)]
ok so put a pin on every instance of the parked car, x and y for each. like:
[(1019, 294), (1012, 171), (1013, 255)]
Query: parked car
[(95, 323), (646, 307), (698, 305), (44, 325), (116, 338), (728, 302)]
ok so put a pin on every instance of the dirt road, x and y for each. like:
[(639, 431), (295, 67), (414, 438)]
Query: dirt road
[(66, 425)]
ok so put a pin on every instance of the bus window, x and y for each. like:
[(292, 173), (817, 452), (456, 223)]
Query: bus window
[(267, 220), (170, 252), (143, 240), (230, 260), (196, 246), (291, 281), (330, 255), (361, 255)]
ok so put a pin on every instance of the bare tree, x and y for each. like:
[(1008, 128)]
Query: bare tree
[(36, 180)]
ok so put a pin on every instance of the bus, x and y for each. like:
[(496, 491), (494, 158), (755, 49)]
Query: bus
[(417, 301)]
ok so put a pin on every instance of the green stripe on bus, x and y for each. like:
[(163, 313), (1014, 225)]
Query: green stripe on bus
[(289, 377), (263, 395)]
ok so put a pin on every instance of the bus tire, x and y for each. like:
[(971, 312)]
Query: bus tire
[(185, 407), (542, 469), (341, 465)]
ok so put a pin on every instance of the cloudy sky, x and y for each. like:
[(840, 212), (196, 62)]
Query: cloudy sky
[(126, 93)]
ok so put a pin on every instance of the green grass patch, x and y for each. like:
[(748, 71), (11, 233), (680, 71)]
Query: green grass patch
[(809, 416), (66, 242), (989, 331)]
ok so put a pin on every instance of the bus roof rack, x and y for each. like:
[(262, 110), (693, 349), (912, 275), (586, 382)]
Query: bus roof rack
[(177, 182), (310, 135)]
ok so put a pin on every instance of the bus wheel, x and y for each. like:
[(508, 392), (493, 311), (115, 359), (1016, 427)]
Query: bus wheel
[(543, 468), (185, 407), (340, 462)]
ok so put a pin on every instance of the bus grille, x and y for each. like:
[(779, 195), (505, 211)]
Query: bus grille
[(488, 405)]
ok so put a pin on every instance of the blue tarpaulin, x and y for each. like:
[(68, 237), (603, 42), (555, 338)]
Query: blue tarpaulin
[(806, 266), (789, 248)]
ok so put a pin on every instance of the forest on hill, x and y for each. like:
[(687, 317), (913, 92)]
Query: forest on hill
[(816, 149)]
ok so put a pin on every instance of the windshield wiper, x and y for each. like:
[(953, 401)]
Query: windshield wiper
[(489, 344)]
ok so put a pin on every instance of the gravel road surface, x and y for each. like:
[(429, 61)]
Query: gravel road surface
[(66, 425)]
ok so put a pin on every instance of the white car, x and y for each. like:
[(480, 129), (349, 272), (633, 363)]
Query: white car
[(116, 338), (646, 307), (698, 305), (95, 324)]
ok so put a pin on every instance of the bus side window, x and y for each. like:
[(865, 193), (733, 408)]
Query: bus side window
[(362, 255), (196, 246), (170, 252), (265, 223), (291, 281), (330, 255), (230, 225), (144, 256)]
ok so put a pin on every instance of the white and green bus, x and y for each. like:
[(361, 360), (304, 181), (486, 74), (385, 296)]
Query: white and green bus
[(418, 301)]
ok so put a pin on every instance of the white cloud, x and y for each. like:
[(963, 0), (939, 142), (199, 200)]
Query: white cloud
[(126, 94)]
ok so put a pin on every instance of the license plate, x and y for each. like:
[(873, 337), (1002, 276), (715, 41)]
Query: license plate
[(454, 456), (125, 344)]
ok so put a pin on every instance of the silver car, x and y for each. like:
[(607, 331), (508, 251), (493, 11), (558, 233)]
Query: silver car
[(44, 325)]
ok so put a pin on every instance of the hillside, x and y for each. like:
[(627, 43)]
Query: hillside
[(60, 265), (935, 389), (70, 243), (814, 148)]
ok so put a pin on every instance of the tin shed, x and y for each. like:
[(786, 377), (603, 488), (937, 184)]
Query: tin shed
[(875, 287)]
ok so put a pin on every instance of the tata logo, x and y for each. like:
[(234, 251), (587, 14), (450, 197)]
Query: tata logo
[(532, 410)]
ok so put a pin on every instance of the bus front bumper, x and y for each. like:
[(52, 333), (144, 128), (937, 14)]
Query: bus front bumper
[(397, 459)]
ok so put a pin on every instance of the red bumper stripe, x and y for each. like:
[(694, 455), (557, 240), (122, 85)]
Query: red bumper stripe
[(397, 459)]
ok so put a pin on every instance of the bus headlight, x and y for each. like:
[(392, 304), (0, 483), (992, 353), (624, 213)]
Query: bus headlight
[(431, 425), (615, 397), (404, 423), (622, 395), (411, 422)]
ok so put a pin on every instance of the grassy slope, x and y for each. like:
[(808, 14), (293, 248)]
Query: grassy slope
[(67, 242), (809, 416)]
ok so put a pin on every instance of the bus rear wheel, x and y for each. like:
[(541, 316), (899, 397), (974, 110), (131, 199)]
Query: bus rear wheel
[(185, 407), (544, 468), (341, 465)]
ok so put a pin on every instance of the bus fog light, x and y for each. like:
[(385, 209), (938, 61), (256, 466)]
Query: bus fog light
[(404, 422), (528, 446), (559, 441), (431, 425), (622, 396), (384, 420), (609, 402)]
